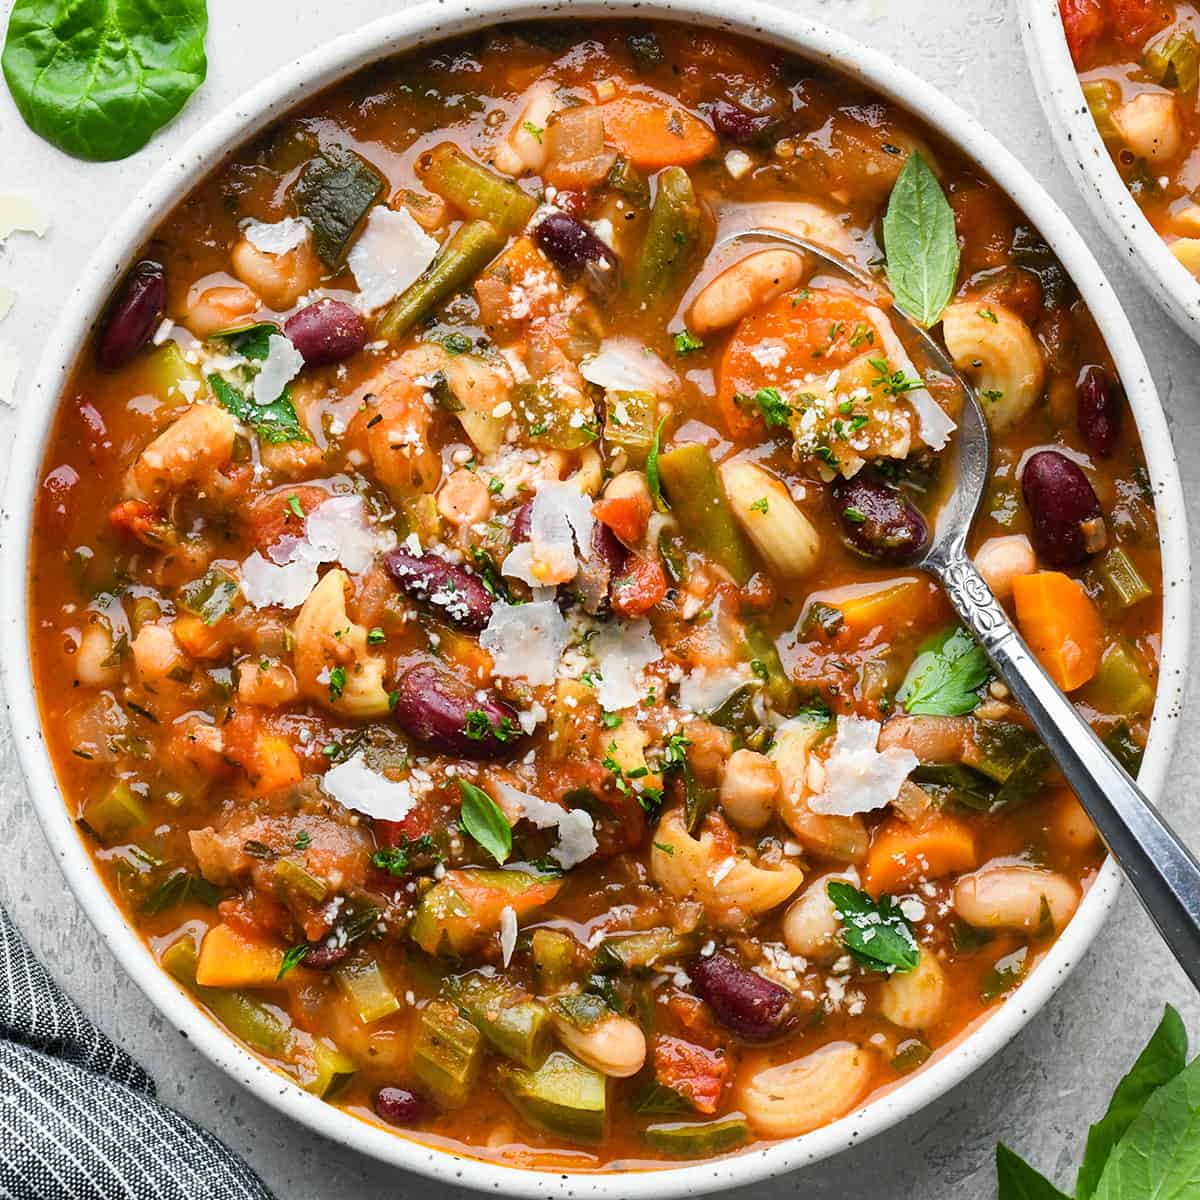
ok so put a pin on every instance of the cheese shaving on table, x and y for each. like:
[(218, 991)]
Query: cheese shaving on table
[(508, 933), (933, 424), (623, 364), (859, 778), (576, 830), (702, 690), (525, 641), (354, 785), (389, 255), (622, 652), (7, 299), (279, 368), (560, 524), (277, 238), (19, 214)]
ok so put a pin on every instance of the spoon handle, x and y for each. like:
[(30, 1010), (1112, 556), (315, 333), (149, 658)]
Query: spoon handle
[(1160, 867)]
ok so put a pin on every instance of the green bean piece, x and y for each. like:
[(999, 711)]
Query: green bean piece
[(471, 247), (672, 237), (562, 1094), (1174, 60), (447, 1054), (698, 500), (335, 192), (476, 192), (553, 958), (516, 1024), (1123, 579), (1102, 96)]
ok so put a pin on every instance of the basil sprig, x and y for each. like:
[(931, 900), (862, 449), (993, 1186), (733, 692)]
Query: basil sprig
[(483, 820)]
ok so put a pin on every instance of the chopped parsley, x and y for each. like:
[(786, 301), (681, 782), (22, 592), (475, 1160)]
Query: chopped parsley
[(337, 683), (774, 408), (293, 958), (293, 502), (303, 840), (376, 636), (988, 315), (760, 505), (479, 727), (534, 131), (854, 515), (877, 934), (686, 343)]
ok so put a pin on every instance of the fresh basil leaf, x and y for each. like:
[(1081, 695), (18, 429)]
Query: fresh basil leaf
[(98, 78), (483, 820), (921, 243), (250, 341), (945, 675), (1159, 1154), (1019, 1181), (878, 935), (275, 422), (1164, 1057), (653, 479)]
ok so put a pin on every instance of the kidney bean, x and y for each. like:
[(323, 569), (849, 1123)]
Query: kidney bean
[(133, 314), (522, 526), (1068, 525), (326, 332), (753, 1007), (450, 590), (447, 714), (323, 957), (575, 250), (737, 125), (1099, 410), (399, 1106), (876, 518), (599, 569)]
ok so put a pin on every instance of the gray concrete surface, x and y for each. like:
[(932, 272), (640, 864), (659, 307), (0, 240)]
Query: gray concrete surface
[(1041, 1092)]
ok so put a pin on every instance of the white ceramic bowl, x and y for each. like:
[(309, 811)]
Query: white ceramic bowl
[(276, 96), (1080, 144)]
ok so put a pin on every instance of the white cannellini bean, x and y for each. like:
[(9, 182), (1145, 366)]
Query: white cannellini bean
[(749, 788), (280, 279), (1011, 896), (615, 1046), (464, 499), (1001, 559), (772, 520), (748, 284), (811, 927), (156, 653), (1149, 125), (524, 148), (95, 648), (917, 1000)]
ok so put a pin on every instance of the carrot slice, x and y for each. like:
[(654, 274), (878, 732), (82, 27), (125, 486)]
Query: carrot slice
[(1061, 625), (902, 853), (228, 958), (654, 134)]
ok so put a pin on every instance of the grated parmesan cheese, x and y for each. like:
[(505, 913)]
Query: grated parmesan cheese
[(508, 933), (576, 830), (276, 238), (934, 425), (702, 690), (623, 364), (561, 523), (279, 368)]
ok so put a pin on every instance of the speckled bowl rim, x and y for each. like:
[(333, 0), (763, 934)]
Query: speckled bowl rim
[(274, 97), (1081, 146)]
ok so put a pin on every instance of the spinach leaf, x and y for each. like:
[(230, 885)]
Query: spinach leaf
[(275, 422), (1164, 1057), (98, 78), (250, 341), (1159, 1154), (1019, 1181), (944, 676), (878, 935), (483, 820), (921, 243)]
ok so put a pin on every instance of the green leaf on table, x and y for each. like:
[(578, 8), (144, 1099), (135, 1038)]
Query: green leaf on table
[(483, 820), (275, 422), (1019, 1181), (1164, 1057), (945, 675), (920, 242), (98, 78), (877, 934)]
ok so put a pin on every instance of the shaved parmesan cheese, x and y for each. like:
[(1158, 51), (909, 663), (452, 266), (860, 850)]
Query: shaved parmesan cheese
[(508, 933), (278, 238), (279, 368), (354, 785), (858, 777), (19, 214), (933, 424), (576, 830), (622, 652), (702, 690), (286, 585), (525, 640), (7, 299), (560, 522), (390, 253), (10, 368), (625, 365)]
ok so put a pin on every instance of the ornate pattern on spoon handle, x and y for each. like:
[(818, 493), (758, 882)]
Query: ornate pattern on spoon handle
[(974, 602)]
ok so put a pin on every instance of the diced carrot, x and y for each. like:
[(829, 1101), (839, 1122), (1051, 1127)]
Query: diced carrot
[(626, 516), (267, 758), (640, 586), (654, 133), (902, 853), (696, 1074), (231, 959), (808, 330), (1061, 625), (1083, 23), (890, 605), (201, 641)]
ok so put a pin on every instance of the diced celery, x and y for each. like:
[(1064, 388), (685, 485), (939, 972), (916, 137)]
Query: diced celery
[(1102, 96), (1123, 579), (364, 984), (564, 419), (116, 814), (630, 420), (476, 192), (1173, 60), (211, 596), (698, 1139), (562, 1094), (293, 875), (516, 1024), (447, 1054)]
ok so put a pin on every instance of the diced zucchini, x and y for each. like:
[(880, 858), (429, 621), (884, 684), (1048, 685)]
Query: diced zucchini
[(167, 370), (476, 192), (630, 419), (562, 1095), (330, 1069), (910, 1055), (553, 958), (211, 596), (656, 1099), (642, 951), (564, 419), (292, 875), (581, 1010), (1173, 60), (1122, 687), (448, 1054), (698, 1139), (116, 814), (516, 1024), (335, 191), (364, 984), (1122, 579)]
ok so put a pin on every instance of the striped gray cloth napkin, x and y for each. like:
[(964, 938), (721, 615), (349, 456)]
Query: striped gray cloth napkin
[(78, 1117)]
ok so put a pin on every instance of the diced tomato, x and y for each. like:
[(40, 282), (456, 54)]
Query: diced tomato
[(696, 1074), (142, 521), (1083, 23), (281, 513), (641, 585), (398, 833), (1134, 21), (626, 516), (255, 913), (695, 1016)]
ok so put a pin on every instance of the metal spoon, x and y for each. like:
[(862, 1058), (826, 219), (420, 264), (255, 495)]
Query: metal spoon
[(1163, 872)]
